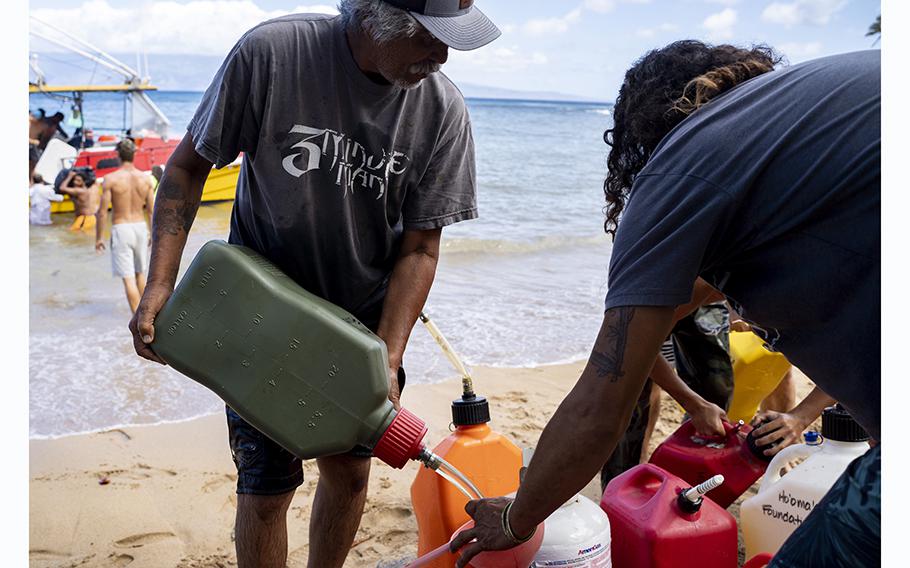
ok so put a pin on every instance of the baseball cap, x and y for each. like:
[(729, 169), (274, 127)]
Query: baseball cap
[(457, 23)]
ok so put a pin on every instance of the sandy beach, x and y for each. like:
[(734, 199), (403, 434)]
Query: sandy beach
[(163, 496)]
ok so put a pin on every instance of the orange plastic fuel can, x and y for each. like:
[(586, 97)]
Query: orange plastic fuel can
[(484, 456)]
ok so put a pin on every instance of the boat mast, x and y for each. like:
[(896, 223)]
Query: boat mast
[(131, 77)]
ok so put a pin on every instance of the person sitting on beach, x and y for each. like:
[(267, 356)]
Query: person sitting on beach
[(40, 195), (355, 156), (86, 196), (128, 192), (767, 184)]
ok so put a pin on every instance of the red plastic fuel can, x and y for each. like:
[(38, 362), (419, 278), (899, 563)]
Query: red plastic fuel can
[(695, 458), (653, 527)]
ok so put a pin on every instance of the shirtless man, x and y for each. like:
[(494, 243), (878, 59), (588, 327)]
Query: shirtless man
[(129, 191), (86, 197)]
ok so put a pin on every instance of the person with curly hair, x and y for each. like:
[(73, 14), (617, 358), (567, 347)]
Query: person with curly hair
[(764, 182)]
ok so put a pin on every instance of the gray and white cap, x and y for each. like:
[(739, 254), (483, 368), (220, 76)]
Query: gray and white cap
[(456, 23)]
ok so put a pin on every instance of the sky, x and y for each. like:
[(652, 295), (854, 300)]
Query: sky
[(579, 47)]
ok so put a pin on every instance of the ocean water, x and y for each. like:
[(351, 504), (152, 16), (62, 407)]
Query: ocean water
[(523, 285)]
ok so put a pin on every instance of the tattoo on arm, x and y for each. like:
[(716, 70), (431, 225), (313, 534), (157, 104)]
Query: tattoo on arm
[(608, 361), (174, 210)]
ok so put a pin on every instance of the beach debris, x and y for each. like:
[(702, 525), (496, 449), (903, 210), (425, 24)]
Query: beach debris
[(104, 480)]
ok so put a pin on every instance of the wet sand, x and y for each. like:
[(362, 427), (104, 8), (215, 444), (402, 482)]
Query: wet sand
[(162, 496)]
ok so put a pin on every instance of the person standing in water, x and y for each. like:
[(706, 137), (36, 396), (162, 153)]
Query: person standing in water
[(40, 195), (128, 191), (85, 194)]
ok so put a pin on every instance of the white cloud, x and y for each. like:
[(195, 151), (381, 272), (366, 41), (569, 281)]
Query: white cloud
[(651, 32), (561, 24), (546, 26), (799, 51), (203, 27), (600, 6), (606, 6), (817, 12), (723, 2), (720, 25), (494, 59)]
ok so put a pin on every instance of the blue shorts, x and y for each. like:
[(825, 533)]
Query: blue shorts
[(263, 466)]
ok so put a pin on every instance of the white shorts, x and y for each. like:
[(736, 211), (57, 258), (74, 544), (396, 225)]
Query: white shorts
[(129, 248)]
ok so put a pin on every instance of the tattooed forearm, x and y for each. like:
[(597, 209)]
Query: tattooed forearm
[(174, 209), (170, 218), (169, 189), (607, 357)]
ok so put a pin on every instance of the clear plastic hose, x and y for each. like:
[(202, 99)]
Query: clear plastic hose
[(457, 485), (449, 473), (449, 468), (466, 381)]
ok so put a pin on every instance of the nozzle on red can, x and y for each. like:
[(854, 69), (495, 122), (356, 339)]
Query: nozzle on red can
[(690, 500)]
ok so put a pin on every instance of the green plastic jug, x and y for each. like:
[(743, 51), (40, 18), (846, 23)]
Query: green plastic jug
[(300, 369)]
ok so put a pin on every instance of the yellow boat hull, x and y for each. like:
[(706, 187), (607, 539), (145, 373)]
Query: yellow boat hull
[(221, 185)]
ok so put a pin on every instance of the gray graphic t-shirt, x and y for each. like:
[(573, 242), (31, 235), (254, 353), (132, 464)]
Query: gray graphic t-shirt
[(335, 166), (772, 193)]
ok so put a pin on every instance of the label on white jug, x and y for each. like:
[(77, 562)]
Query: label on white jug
[(594, 556), (789, 509)]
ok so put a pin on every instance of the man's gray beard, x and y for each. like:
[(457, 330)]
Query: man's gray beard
[(427, 68), (417, 69), (406, 85)]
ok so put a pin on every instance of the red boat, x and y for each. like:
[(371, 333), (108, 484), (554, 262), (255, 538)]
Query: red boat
[(151, 136)]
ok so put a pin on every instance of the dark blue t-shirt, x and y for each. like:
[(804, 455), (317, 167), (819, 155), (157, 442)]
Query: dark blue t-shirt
[(771, 193)]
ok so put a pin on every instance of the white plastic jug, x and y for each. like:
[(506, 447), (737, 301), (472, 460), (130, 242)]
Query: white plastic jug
[(577, 535), (783, 502)]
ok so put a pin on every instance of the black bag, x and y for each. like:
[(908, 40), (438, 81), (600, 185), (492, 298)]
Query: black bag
[(87, 173)]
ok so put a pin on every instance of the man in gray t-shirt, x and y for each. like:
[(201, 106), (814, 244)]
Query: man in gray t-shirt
[(356, 153)]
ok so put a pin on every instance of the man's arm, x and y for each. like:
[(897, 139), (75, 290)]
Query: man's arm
[(409, 286), (101, 215), (64, 185), (706, 416), (175, 209), (786, 428), (582, 433)]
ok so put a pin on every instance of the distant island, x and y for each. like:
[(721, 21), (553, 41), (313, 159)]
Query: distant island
[(193, 73), (473, 91)]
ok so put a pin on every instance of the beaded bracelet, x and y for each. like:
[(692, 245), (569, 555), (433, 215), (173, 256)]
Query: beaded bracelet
[(508, 529)]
